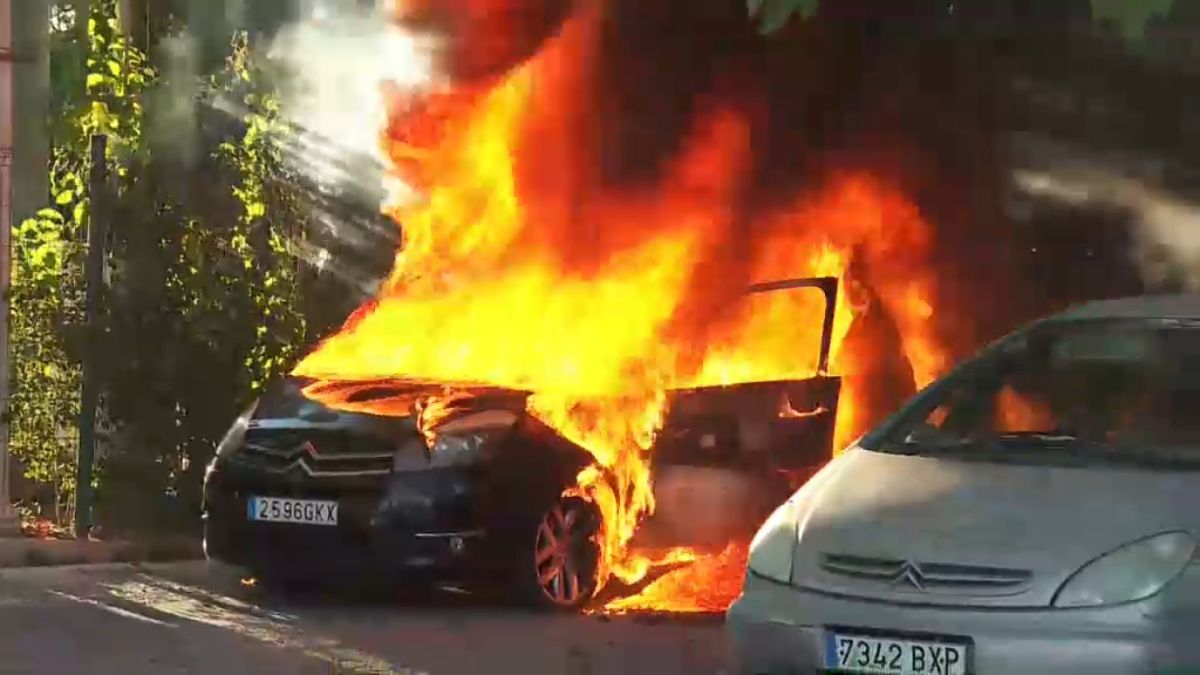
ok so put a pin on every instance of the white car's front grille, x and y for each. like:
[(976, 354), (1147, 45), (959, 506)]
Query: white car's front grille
[(925, 576)]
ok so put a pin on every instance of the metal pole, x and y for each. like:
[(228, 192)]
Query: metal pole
[(89, 397)]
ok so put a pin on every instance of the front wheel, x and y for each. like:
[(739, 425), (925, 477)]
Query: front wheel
[(557, 567)]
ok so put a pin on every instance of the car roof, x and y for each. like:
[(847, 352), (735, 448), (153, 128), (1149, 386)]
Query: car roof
[(1181, 306)]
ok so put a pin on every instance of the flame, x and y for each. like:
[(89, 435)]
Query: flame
[(431, 411), (707, 585), (1017, 412), (523, 268)]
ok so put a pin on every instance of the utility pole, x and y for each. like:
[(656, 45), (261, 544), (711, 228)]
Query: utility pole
[(89, 398)]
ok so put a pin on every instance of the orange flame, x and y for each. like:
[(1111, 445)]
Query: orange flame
[(707, 585), (521, 268)]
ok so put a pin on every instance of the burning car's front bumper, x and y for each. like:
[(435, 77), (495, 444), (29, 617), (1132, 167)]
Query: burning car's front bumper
[(425, 521)]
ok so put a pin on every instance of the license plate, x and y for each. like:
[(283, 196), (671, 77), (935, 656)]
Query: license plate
[(284, 510), (873, 655)]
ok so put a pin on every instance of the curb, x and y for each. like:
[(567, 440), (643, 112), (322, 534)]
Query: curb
[(25, 572), (29, 552)]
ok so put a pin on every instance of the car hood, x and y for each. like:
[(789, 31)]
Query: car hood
[(948, 531)]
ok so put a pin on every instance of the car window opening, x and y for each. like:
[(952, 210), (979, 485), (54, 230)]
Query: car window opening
[(1128, 388)]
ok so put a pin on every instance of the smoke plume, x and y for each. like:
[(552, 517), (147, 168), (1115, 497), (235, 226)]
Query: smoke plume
[(1165, 227)]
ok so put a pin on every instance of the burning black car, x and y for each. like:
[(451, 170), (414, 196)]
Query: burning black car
[(299, 489)]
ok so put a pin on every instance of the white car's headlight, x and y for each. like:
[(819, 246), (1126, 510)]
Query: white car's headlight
[(774, 544), (1133, 572)]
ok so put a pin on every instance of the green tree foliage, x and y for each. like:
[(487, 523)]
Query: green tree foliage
[(47, 290), (202, 305), (199, 309), (45, 400)]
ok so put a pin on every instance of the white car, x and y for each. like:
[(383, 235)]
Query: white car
[(1035, 511)]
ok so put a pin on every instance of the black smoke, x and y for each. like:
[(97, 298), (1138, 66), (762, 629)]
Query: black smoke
[(928, 95)]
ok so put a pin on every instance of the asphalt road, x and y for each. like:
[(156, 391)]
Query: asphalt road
[(196, 618)]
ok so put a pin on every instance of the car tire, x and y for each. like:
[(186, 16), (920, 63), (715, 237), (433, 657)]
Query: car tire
[(558, 556)]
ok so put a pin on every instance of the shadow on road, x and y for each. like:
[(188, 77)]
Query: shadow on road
[(369, 626), (445, 598)]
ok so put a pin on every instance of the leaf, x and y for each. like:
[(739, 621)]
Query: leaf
[(48, 214), (774, 14), (256, 210), (65, 197), (99, 114), (114, 67), (94, 80), (1130, 16)]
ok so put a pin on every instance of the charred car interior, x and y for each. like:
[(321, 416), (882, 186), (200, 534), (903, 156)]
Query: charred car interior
[(300, 489)]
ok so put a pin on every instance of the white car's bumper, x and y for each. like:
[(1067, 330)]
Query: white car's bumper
[(779, 629)]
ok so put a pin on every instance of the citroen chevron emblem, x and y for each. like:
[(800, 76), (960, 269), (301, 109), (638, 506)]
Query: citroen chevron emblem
[(910, 573), (300, 458)]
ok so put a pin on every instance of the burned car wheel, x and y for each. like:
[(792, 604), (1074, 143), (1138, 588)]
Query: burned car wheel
[(559, 568)]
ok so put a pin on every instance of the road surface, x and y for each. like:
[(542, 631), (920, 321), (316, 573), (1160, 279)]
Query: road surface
[(197, 618)]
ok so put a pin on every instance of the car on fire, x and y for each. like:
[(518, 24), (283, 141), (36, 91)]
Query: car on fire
[(302, 489), (1035, 510)]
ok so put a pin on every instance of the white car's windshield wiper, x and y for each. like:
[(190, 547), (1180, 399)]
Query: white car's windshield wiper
[(1043, 437), (1018, 446), (1041, 447)]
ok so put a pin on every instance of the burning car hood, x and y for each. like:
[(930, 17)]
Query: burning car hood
[(979, 533), (396, 397)]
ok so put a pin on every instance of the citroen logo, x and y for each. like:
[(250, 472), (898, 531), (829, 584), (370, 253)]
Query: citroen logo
[(305, 449), (910, 573), (299, 451)]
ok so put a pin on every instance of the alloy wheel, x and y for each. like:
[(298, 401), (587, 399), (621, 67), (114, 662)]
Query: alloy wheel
[(563, 559)]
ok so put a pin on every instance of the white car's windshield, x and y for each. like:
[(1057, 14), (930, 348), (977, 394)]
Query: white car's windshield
[(1124, 391)]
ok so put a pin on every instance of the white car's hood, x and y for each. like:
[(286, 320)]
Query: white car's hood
[(947, 531)]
